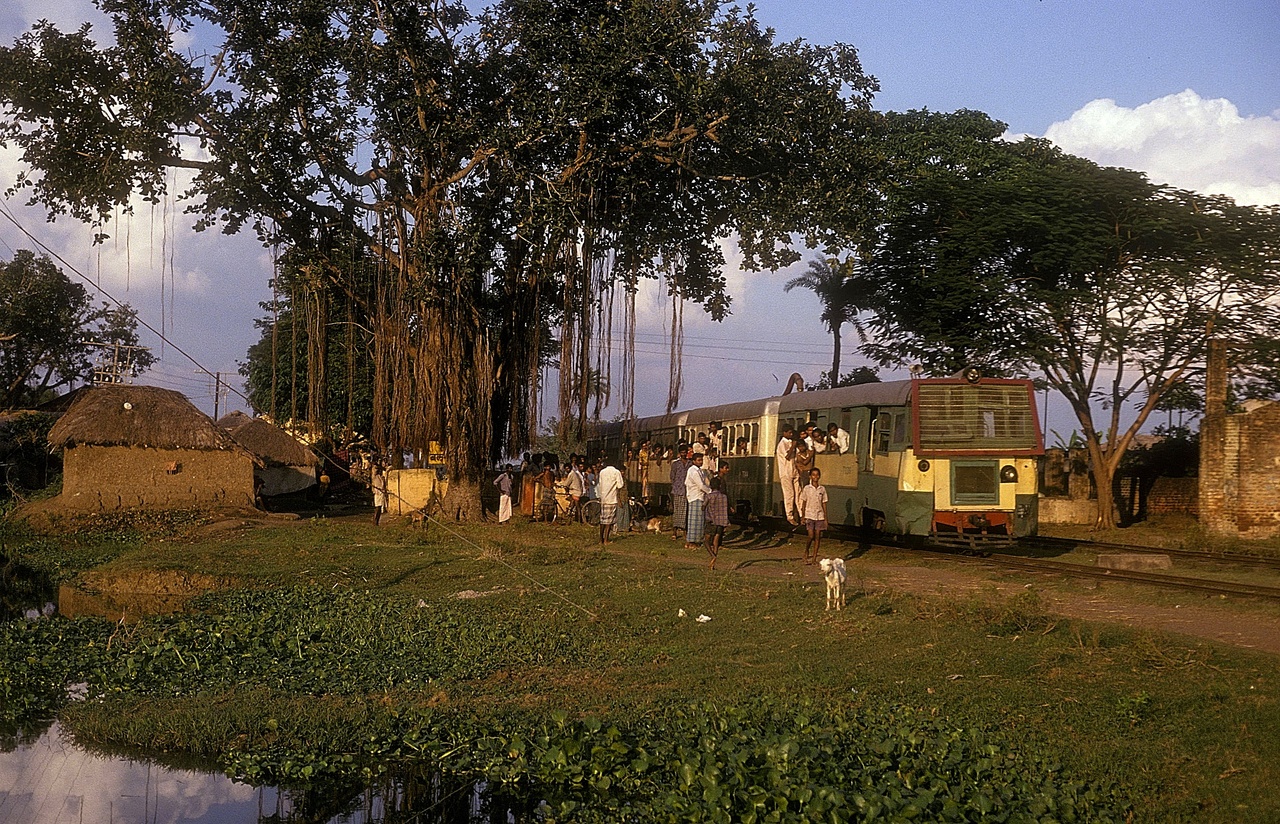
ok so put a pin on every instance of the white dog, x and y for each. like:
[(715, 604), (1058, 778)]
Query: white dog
[(833, 569)]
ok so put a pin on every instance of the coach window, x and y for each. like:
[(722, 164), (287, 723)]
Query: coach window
[(899, 428), (884, 432)]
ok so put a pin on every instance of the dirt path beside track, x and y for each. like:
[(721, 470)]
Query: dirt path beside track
[(1238, 622)]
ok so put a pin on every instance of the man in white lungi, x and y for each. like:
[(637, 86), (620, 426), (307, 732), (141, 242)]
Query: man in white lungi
[(785, 457), (503, 483)]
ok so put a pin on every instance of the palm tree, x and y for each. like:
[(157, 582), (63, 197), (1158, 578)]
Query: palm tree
[(844, 292)]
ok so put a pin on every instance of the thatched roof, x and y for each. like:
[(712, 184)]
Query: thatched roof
[(268, 441), (127, 415)]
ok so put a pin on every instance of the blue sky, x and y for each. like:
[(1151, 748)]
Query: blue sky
[(1032, 62), (1187, 92)]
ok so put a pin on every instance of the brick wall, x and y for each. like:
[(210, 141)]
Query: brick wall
[(1174, 496), (1257, 477), (1239, 461)]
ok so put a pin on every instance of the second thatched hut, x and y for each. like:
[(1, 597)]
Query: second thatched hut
[(128, 447), (287, 466)]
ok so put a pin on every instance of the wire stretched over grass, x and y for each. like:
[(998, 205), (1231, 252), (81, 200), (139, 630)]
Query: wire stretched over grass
[(519, 572)]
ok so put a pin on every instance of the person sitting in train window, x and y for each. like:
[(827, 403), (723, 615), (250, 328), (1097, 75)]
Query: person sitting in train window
[(700, 444), (818, 441), (715, 437), (806, 433), (837, 439), (741, 448)]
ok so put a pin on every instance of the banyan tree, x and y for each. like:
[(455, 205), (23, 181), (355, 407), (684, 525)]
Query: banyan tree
[(510, 176)]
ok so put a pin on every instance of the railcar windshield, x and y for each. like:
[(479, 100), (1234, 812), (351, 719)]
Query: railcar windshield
[(984, 418)]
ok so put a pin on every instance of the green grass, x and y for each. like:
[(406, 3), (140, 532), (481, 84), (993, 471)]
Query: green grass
[(322, 651)]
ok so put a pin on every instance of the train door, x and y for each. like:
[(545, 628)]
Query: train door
[(859, 422)]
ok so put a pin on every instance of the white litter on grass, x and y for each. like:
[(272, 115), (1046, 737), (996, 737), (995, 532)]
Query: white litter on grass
[(702, 619), (467, 594), (681, 614)]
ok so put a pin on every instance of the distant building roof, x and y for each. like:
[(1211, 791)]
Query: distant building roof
[(268, 441)]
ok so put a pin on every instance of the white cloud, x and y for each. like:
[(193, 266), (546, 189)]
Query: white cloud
[(1182, 140)]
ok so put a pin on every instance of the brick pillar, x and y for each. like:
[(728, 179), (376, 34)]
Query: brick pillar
[(1215, 514)]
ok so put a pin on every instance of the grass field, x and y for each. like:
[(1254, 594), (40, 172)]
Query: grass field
[(331, 644)]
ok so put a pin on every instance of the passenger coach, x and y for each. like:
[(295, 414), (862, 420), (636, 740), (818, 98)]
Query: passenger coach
[(953, 459)]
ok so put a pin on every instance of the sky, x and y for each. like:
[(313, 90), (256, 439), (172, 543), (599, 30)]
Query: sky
[(1187, 92)]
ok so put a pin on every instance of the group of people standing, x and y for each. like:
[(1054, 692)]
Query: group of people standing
[(699, 506), (580, 479), (804, 498), (699, 499)]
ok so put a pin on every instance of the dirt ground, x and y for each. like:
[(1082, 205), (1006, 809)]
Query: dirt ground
[(1236, 621), (1199, 618)]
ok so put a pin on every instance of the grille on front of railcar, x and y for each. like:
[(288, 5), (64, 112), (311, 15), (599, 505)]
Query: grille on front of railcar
[(982, 432)]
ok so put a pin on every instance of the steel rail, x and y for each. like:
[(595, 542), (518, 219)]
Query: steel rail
[(1044, 566), (1129, 576), (1188, 554)]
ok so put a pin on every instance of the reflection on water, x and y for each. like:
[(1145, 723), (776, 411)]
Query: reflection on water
[(47, 779), (23, 591), (119, 606), (28, 593)]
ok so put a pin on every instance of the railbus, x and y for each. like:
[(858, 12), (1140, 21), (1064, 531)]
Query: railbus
[(948, 459)]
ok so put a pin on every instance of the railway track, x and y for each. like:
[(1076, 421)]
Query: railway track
[(1182, 582), (1236, 558)]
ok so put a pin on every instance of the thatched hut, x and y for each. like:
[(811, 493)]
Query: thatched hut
[(287, 466), (143, 446)]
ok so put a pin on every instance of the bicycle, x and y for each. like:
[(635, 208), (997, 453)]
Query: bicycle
[(591, 512), (563, 509)]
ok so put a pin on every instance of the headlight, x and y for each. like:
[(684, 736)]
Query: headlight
[(1008, 474)]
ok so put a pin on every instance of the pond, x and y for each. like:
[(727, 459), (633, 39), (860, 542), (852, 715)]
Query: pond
[(45, 778), (24, 592)]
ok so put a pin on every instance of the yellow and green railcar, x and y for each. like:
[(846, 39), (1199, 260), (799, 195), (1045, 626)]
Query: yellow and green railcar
[(952, 459)]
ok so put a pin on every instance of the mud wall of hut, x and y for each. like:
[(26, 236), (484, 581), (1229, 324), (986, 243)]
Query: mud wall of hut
[(124, 477)]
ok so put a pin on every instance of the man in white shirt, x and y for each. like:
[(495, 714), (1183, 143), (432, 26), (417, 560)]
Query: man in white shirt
[(696, 487), (608, 489), (785, 456)]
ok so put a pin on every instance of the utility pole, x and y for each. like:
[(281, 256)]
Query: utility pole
[(217, 388)]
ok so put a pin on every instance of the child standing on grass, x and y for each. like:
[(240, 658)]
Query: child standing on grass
[(812, 504), (717, 513)]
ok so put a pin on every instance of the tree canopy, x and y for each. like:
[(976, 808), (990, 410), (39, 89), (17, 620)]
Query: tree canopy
[(510, 172), (1016, 257), (45, 322)]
